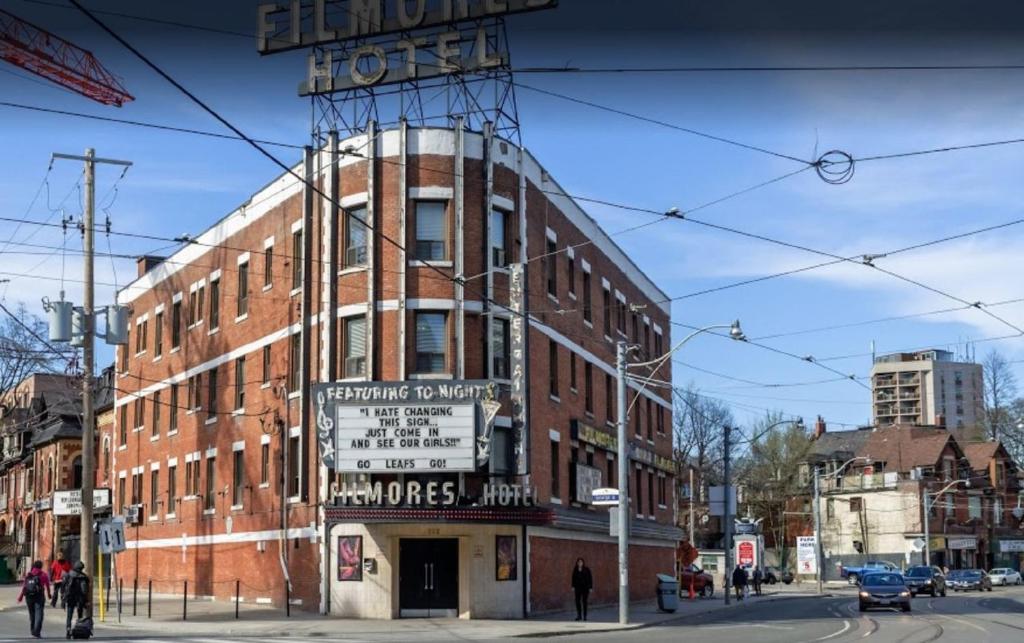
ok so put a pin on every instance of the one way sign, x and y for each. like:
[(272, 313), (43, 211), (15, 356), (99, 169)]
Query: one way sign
[(111, 536)]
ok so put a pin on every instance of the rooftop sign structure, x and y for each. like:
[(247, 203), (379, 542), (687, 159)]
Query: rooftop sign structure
[(429, 48)]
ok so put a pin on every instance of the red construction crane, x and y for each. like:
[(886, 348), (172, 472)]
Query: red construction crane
[(44, 54)]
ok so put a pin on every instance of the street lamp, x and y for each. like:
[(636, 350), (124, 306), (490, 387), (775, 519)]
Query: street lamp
[(819, 558), (623, 450), (927, 509)]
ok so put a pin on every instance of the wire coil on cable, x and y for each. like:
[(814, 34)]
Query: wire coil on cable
[(835, 167)]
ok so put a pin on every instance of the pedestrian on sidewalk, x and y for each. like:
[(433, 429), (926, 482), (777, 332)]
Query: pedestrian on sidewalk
[(60, 567), (758, 579), (739, 581), (77, 592), (35, 590), (582, 583)]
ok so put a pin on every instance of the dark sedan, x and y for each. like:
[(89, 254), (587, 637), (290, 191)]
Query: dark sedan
[(884, 589), (968, 579), (925, 580)]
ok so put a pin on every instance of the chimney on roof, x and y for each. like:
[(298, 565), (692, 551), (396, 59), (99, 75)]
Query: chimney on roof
[(940, 420), (145, 263), (819, 427)]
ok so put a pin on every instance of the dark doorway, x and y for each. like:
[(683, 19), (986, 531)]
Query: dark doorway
[(428, 577)]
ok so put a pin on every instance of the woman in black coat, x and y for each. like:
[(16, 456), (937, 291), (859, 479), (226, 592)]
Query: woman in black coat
[(582, 583)]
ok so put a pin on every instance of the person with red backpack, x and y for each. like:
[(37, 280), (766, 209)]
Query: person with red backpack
[(35, 591)]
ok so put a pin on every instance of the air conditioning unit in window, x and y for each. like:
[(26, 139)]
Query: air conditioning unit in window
[(133, 515), (355, 366), (498, 259)]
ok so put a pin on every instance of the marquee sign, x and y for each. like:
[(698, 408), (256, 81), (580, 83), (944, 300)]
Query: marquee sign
[(400, 427)]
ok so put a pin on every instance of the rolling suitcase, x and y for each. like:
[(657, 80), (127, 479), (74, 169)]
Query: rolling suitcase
[(82, 629)]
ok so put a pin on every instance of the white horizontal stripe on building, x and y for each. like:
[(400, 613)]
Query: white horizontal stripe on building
[(184, 540)]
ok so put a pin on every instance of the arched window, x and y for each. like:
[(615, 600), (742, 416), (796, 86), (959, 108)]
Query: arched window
[(49, 475), (106, 457), (76, 473)]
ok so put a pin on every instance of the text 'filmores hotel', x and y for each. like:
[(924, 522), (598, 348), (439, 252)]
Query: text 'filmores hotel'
[(215, 443)]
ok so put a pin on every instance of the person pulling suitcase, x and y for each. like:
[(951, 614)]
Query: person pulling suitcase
[(78, 599)]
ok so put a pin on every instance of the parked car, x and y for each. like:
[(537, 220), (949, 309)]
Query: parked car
[(925, 580), (703, 582), (773, 575), (854, 574), (1004, 576), (883, 589), (968, 579)]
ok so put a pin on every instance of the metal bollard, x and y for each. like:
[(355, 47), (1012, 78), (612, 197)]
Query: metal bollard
[(238, 589), (184, 603), (287, 600), (120, 596), (135, 597), (149, 600)]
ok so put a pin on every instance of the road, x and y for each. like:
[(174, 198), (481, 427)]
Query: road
[(996, 616), (977, 618)]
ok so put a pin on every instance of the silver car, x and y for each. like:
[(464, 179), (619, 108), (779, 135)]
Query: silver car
[(1004, 576)]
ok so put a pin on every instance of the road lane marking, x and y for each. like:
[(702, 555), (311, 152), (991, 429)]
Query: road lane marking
[(761, 625), (962, 622), (846, 627)]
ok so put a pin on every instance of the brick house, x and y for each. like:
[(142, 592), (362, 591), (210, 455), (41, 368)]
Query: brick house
[(227, 335)]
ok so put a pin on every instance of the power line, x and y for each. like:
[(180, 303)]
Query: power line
[(661, 123), (939, 150)]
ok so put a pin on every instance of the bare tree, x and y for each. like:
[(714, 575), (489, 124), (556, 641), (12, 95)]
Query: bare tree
[(1000, 389), (698, 432), (24, 351)]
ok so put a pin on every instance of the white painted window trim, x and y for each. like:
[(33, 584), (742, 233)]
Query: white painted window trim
[(159, 309), (431, 193), (264, 439), (211, 452), (242, 258), (620, 296), (296, 226), (137, 470), (554, 435), (238, 446), (550, 234), (503, 203), (176, 298), (154, 466), (215, 275), (173, 462), (268, 242), (441, 263), (585, 265), (294, 432), (354, 200), (431, 376)]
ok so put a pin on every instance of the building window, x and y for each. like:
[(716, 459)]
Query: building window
[(354, 346), (611, 472), (294, 362), (124, 352), (121, 492), (191, 478), (638, 485), (172, 412), (265, 463), (552, 368), (192, 393), (154, 492), (637, 431), (830, 508), (550, 267), (556, 482), (192, 308), (140, 336), (268, 266), (855, 505), (661, 420), (606, 302), (238, 478), (572, 371), (609, 399), (650, 419), (588, 310), (214, 304), (297, 248), (430, 231), (500, 348), (974, 507), (355, 238), (243, 289), (621, 325), (123, 425), (172, 489), (156, 414), (647, 340), (658, 352), (137, 488), (499, 234), (431, 343), (240, 383), (294, 466), (140, 412), (209, 498), (588, 387), (636, 328), (266, 365), (158, 335), (662, 487), (176, 324), (650, 493), (211, 394), (571, 275)]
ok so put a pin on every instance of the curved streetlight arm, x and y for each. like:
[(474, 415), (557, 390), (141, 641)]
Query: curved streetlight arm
[(843, 466), (936, 494)]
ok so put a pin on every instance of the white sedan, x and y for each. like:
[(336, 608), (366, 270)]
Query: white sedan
[(1004, 576)]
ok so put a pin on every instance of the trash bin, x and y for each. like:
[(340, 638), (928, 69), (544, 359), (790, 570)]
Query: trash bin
[(668, 593)]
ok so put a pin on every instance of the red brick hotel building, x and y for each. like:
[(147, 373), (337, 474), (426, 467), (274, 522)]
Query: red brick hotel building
[(214, 451)]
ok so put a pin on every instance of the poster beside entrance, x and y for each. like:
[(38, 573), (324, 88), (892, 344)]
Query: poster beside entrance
[(806, 555)]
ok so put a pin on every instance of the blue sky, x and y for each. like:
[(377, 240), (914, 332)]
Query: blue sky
[(182, 184)]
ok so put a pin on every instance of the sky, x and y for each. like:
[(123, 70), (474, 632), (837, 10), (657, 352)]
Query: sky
[(182, 184)]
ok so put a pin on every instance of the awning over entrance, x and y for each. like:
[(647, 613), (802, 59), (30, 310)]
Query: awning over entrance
[(499, 515)]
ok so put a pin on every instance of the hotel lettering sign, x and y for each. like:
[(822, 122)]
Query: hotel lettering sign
[(429, 494), (399, 427), (519, 345), (433, 38), (586, 433)]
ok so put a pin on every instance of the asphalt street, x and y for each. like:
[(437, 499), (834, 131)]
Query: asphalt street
[(996, 616)]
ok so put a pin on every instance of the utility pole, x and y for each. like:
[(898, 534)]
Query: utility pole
[(727, 514), (818, 558), (624, 508), (925, 510), (86, 547), (692, 497)]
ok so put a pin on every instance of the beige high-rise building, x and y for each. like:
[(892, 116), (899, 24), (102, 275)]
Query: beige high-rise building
[(926, 387)]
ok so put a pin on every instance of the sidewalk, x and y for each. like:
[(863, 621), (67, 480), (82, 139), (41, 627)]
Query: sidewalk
[(217, 618)]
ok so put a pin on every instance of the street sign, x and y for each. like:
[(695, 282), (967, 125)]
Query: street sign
[(806, 555), (69, 503), (605, 497), (716, 498), (111, 536)]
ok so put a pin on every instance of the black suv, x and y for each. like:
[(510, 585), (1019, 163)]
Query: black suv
[(925, 580)]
